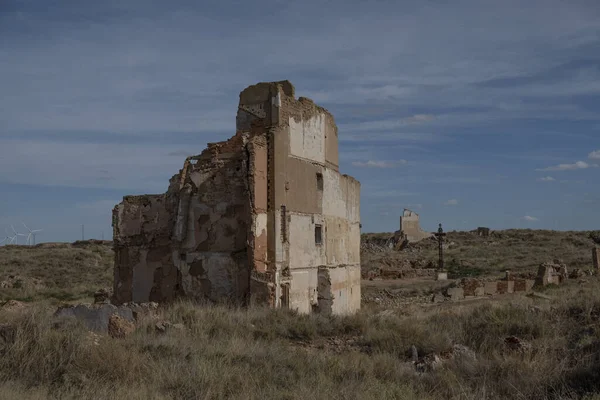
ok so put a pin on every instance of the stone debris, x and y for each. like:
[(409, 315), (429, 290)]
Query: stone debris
[(95, 317), (438, 298), (553, 273), (119, 327), (93, 339), (577, 273)]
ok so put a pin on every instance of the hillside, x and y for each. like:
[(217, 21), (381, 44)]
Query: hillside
[(73, 271), (467, 254), (55, 271)]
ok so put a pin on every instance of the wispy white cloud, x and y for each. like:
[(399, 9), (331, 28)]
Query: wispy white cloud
[(451, 202), (568, 167), (378, 164), (530, 218), (547, 179), (595, 155)]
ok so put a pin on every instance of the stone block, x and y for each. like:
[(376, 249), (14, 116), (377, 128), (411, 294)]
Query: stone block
[(491, 288), (470, 285), (506, 287), (442, 276), (520, 285), (456, 293), (480, 291), (95, 317)]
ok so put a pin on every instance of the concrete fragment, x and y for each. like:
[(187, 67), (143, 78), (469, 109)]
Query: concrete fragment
[(94, 317)]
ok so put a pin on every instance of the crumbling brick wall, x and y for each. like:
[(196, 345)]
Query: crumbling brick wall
[(259, 218)]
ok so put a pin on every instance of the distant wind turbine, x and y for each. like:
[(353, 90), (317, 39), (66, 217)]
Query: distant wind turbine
[(31, 235), (15, 239), (9, 239)]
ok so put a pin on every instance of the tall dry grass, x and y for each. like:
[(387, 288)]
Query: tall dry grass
[(258, 353)]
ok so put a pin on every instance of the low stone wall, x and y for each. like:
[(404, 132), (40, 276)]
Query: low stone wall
[(470, 288), (384, 273)]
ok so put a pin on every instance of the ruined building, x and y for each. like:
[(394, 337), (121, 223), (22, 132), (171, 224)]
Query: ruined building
[(262, 218), (410, 229)]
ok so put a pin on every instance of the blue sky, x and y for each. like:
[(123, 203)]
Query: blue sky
[(472, 113)]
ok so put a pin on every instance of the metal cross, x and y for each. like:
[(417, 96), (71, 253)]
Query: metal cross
[(440, 236)]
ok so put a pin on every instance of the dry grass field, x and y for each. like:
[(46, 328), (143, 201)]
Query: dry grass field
[(222, 353)]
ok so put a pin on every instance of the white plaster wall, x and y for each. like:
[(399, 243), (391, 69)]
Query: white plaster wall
[(259, 222), (352, 196), (303, 290), (345, 289), (304, 253), (334, 199), (307, 138)]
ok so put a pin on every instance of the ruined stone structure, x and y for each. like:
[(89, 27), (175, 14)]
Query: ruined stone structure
[(262, 218), (596, 258), (553, 273), (483, 231), (410, 229)]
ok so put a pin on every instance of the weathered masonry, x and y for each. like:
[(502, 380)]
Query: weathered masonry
[(262, 218), (410, 229)]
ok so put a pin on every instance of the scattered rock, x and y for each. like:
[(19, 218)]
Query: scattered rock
[(119, 327), (93, 339), (576, 274), (428, 363), (438, 298)]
